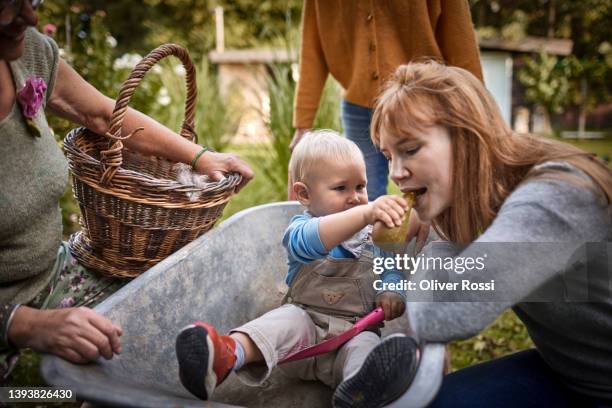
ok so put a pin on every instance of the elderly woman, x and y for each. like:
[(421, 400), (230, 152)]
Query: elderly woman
[(36, 270)]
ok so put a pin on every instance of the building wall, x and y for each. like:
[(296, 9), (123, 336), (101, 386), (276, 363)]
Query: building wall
[(245, 87), (497, 71)]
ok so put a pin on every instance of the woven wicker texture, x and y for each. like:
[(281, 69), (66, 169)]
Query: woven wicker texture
[(134, 211)]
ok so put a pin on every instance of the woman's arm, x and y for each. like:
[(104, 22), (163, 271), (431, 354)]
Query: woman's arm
[(456, 37), (529, 244), (76, 100), (313, 71)]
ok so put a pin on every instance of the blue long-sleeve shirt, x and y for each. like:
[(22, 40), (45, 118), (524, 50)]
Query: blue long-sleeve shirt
[(303, 244)]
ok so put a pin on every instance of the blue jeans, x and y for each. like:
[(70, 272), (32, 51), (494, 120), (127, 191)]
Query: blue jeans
[(521, 379), (356, 123)]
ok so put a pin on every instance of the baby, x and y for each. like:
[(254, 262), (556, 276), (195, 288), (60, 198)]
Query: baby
[(330, 279)]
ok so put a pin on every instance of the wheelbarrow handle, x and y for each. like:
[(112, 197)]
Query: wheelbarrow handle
[(373, 318)]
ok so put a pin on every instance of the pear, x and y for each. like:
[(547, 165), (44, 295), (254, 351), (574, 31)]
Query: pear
[(394, 239)]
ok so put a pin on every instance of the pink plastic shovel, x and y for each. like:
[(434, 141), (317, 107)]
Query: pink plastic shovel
[(374, 317)]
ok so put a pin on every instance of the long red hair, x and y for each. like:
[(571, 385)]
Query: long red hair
[(489, 159)]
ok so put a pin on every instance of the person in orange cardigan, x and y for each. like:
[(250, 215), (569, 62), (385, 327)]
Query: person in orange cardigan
[(360, 43)]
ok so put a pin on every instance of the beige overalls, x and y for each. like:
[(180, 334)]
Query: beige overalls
[(325, 298)]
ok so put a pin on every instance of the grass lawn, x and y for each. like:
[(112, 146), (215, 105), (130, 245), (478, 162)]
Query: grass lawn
[(601, 147)]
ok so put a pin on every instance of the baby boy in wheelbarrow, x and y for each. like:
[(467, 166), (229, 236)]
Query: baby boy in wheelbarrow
[(331, 286)]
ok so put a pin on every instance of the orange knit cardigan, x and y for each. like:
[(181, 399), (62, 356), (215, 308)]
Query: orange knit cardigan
[(361, 42)]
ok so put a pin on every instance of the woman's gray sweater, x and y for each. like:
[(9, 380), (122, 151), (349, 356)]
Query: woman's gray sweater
[(573, 337)]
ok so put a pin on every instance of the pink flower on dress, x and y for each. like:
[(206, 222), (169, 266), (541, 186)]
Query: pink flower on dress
[(50, 29), (66, 302), (31, 96)]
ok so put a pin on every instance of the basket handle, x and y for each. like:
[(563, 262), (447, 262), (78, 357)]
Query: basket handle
[(111, 159)]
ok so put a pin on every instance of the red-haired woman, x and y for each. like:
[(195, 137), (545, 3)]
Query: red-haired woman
[(480, 185)]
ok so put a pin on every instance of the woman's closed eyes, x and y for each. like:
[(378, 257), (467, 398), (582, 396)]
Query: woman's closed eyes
[(412, 152)]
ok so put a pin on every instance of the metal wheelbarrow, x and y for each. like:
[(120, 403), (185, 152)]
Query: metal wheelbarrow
[(229, 276)]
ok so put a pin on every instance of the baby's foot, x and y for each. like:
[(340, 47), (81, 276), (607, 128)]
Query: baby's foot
[(385, 375), (205, 358)]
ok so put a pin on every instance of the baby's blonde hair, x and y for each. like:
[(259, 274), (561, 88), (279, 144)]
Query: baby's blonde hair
[(320, 145)]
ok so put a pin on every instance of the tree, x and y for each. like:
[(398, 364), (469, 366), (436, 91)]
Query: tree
[(589, 22), (548, 85), (583, 78)]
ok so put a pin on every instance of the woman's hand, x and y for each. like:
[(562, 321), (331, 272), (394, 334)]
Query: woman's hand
[(392, 303), (388, 209), (216, 165), (78, 334), (297, 136), (419, 230)]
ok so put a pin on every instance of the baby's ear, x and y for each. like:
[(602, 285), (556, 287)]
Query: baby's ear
[(301, 192)]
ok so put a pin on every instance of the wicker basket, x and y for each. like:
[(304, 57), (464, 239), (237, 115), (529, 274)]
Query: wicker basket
[(134, 211)]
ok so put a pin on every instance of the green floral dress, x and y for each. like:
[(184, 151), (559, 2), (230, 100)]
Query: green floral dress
[(33, 177)]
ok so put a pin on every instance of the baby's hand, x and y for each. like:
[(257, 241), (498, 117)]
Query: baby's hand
[(392, 303), (389, 209)]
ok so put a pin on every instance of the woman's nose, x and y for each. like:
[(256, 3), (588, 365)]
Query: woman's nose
[(397, 171)]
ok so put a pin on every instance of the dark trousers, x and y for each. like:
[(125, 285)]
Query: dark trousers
[(519, 380)]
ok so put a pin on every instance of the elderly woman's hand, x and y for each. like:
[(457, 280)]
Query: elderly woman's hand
[(215, 165), (78, 334)]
